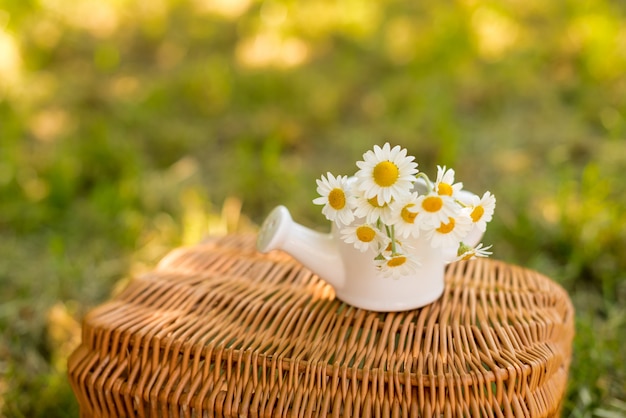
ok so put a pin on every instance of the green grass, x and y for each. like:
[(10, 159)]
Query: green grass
[(125, 125)]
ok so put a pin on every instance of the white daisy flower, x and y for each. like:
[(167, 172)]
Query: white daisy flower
[(404, 216), (444, 185), (364, 237), (336, 197), (467, 253), (397, 266), (395, 247), (481, 210), (450, 232), (370, 209), (386, 173), (388, 201), (436, 209)]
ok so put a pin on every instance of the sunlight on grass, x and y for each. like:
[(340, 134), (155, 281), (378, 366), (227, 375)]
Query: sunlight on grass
[(401, 38), (10, 59), (603, 40), (195, 217), (63, 332), (48, 125), (124, 87), (495, 33), (230, 9), (99, 18), (319, 18), (151, 10), (47, 33), (272, 45), (269, 49), (131, 127)]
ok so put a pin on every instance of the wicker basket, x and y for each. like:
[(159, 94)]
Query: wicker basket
[(221, 330)]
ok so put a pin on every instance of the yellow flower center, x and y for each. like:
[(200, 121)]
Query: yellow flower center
[(365, 233), (444, 189), (396, 261), (386, 173), (432, 204), (446, 228), (407, 215), (477, 213), (374, 202), (468, 256), (337, 199)]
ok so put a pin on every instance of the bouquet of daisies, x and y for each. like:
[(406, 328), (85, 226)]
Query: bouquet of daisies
[(379, 209)]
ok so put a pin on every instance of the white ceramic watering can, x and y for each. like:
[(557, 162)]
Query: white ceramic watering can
[(351, 273)]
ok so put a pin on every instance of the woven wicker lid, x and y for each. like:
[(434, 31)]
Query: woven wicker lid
[(221, 330)]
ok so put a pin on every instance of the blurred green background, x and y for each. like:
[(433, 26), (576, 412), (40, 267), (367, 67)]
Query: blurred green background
[(130, 127)]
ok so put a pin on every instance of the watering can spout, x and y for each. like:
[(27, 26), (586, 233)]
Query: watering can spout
[(313, 249)]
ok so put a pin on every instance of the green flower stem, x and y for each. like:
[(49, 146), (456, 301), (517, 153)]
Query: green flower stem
[(391, 232), (422, 175)]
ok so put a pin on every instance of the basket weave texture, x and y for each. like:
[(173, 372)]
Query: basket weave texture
[(220, 330)]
